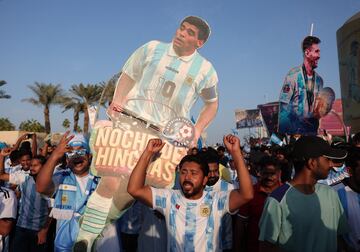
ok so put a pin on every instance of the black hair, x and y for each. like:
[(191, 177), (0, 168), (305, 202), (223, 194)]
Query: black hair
[(25, 146), (356, 139), (299, 164), (14, 156), (41, 158), (24, 152), (210, 156), (204, 29), (221, 148), (269, 160), (353, 158), (196, 159), (309, 41)]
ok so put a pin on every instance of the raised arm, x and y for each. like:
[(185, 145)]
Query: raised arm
[(123, 87), (34, 145), (206, 116), (240, 196), (18, 142), (136, 185), (44, 183), (3, 153)]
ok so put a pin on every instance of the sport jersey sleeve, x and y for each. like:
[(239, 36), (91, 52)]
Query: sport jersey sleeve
[(8, 205), (270, 221), (207, 88), (17, 177), (287, 89), (224, 199), (135, 64), (160, 199)]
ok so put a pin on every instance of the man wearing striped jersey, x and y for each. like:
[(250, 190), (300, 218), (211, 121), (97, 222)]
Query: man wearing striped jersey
[(71, 186), (193, 215), (349, 194), (297, 112), (217, 184), (8, 211), (18, 176), (33, 222), (162, 81)]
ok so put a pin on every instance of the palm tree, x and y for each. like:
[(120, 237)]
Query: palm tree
[(45, 96), (77, 106), (3, 94), (89, 95), (109, 89)]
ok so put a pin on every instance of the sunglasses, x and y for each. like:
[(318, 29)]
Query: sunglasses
[(76, 153)]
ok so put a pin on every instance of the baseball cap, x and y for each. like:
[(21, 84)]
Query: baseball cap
[(79, 140), (313, 147)]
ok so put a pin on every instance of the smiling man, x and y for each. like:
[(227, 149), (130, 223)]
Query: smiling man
[(193, 215), (72, 187)]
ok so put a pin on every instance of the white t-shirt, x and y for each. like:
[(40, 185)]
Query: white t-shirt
[(18, 177), (82, 181), (8, 209), (193, 225)]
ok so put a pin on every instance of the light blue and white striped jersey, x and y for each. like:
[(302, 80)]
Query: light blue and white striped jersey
[(226, 222), (220, 186), (9, 169), (33, 209), (350, 200), (166, 85), (295, 113), (193, 225), (293, 91)]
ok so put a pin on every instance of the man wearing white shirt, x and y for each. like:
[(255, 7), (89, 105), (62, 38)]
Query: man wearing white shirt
[(8, 211)]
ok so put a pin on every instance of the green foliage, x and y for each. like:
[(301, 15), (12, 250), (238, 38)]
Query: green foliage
[(31, 125), (3, 94), (85, 95), (46, 95), (109, 89), (6, 125)]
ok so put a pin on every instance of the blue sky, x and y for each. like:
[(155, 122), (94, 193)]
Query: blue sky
[(252, 46)]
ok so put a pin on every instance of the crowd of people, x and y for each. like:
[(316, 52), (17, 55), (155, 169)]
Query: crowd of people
[(302, 196)]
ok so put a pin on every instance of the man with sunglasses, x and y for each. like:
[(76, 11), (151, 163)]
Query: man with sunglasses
[(71, 187)]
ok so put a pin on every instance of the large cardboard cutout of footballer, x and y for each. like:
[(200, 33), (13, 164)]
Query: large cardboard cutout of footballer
[(303, 99), (158, 86)]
